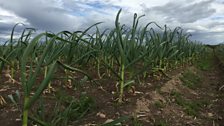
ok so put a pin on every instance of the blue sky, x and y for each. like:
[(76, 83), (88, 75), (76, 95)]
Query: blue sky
[(204, 19)]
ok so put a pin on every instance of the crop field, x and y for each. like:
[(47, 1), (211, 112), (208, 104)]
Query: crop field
[(131, 76)]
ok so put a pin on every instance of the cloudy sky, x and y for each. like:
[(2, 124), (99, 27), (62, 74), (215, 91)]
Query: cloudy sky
[(204, 19)]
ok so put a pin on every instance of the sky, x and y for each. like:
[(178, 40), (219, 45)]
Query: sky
[(204, 19)]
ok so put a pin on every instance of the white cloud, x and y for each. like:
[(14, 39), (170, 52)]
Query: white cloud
[(9, 17), (203, 18)]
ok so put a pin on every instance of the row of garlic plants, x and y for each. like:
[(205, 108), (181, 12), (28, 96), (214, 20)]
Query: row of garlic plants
[(219, 51), (124, 53)]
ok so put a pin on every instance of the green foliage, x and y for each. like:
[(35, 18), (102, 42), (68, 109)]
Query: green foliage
[(205, 62), (161, 123), (190, 79), (190, 107), (14, 98), (125, 52), (159, 104), (136, 122), (219, 51), (66, 109)]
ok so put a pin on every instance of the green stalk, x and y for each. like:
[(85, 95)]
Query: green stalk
[(112, 65), (122, 56), (12, 69), (45, 71), (45, 75), (98, 68), (43, 85), (25, 111), (121, 84)]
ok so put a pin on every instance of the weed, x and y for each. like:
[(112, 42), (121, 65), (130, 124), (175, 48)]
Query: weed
[(14, 98), (159, 104), (190, 79), (161, 123), (205, 63), (136, 122), (66, 109), (190, 107)]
